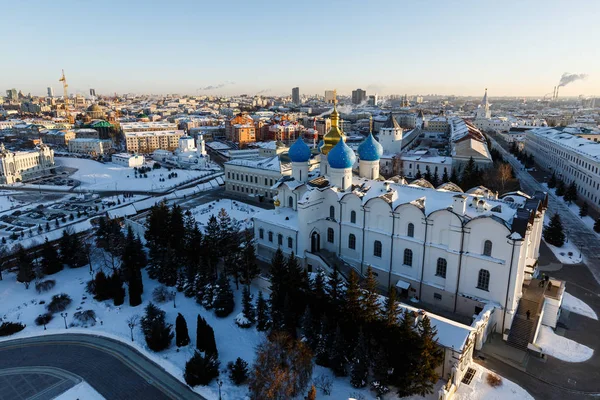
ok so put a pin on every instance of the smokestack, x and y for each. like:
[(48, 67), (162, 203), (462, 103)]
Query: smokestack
[(554, 94)]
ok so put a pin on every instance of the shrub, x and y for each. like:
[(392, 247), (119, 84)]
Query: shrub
[(157, 332), (59, 303), (45, 286), (10, 328), (84, 318), (201, 370), (43, 319), (238, 371), (494, 380), (162, 294), (324, 382)]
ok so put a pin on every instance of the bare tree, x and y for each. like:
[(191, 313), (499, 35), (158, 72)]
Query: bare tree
[(132, 322), (504, 175)]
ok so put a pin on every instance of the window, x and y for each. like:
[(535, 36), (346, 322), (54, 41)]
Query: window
[(330, 235), (377, 248), (411, 230), (408, 257), (483, 280), (280, 240), (352, 241), (487, 248), (353, 217), (331, 212), (270, 236), (437, 296), (441, 267), (261, 233), (290, 242), (290, 202), (265, 181)]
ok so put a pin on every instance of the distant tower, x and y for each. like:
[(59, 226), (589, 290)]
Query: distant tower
[(50, 92), (390, 135), (200, 146), (483, 111), (296, 95)]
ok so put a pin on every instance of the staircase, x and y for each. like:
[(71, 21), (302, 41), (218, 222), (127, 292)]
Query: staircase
[(523, 329)]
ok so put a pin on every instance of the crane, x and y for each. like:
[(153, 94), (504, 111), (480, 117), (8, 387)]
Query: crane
[(63, 79)]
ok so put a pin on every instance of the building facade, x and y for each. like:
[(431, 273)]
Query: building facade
[(254, 178), (146, 142), (92, 147), (128, 160), (22, 166), (240, 129)]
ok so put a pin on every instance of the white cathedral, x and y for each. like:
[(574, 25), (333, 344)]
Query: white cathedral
[(457, 251)]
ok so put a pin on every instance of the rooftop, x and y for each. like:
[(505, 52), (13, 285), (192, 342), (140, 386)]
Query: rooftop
[(574, 143)]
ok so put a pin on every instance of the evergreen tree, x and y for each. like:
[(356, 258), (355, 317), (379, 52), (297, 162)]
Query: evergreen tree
[(430, 357), (309, 329), (64, 246), (247, 306), (352, 305), (50, 260), (469, 178), (157, 332), (134, 259), (201, 370), (249, 267), (392, 309), (571, 192), (445, 177), (262, 313), (553, 233), (78, 258), (182, 338), (278, 287), (296, 286), (454, 177), (336, 291), (238, 371), (427, 176), (25, 274), (560, 188), (102, 287), (359, 367), (418, 174), (404, 355), (337, 354), (205, 338), (583, 211), (552, 181), (318, 287), (116, 287), (323, 341), (224, 302), (435, 179), (370, 298), (597, 226)]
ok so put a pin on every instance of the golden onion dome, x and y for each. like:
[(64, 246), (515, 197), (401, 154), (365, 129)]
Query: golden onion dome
[(335, 134)]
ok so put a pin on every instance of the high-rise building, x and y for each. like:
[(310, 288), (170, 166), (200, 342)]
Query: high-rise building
[(358, 96), (373, 100), (50, 92), (12, 94), (296, 95), (329, 96), (93, 93)]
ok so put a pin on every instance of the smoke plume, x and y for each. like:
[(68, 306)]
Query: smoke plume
[(263, 91), (567, 78), (219, 86)]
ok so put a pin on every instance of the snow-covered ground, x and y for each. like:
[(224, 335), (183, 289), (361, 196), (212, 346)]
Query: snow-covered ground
[(81, 391), (577, 306), (479, 389), (589, 221), (237, 210), (99, 176), (8, 202), (562, 253), (562, 348)]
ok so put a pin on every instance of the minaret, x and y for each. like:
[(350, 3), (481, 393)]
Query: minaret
[(331, 138)]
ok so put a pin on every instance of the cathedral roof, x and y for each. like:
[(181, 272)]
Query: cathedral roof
[(299, 151), (341, 156), (370, 149), (391, 123)]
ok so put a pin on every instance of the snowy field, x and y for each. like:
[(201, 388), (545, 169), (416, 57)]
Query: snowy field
[(237, 210), (97, 176), (480, 390), (8, 202), (562, 348), (82, 391), (562, 253), (577, 306)]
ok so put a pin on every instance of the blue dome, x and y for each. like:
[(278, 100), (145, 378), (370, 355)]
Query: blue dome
[(299, 151), (341, 156), (370, 149)]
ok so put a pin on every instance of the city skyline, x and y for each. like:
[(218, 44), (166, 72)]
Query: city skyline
[(448, 49)]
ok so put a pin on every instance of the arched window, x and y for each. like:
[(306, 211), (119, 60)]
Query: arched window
[(408, 257), (261, 233), (290, 202), (441, 267), (352, 241), (270, 236), (377, 248), (483, 280), (290, 242), (280, 240), (353, 216), (332, 212), (330, 235), (487, 248), (410, 232)]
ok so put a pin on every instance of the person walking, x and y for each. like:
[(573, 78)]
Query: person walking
[(528, 313)]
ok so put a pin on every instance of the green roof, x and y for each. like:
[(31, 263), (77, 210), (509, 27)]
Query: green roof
[(100, 124)]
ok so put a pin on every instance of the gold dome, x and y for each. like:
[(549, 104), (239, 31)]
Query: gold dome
[(335, 134)]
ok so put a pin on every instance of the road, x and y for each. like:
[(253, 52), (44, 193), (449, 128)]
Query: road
[(113, 369), (580, 234)]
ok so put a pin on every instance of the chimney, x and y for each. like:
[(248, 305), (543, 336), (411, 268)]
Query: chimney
[(459, 204), (554, 94)]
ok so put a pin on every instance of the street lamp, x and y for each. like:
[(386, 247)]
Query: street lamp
[(174, 293), (43, 320), (64, 315), (220, 383)]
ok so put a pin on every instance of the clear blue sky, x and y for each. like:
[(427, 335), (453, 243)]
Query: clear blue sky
[(447, 47)]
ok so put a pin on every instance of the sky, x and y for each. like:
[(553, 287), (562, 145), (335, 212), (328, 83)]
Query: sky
[(234, 47)]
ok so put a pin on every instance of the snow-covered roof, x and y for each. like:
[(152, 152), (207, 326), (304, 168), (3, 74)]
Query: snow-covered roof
[(268, 163), (282, 216), (563, 138)]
